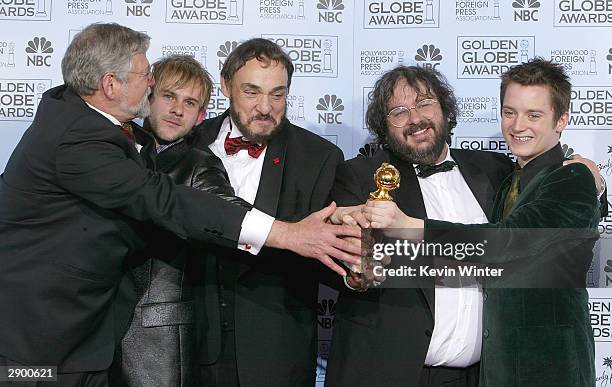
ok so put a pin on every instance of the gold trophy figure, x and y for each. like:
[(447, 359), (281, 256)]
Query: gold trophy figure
[(387, 178)]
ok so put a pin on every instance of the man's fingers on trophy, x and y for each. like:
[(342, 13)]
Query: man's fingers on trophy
[(356, 218), (344, 230), (342, 253)]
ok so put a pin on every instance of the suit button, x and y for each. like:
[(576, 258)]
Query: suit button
[(220, 267), (485, 333), (225, 324), (428, 332), (223, 304)]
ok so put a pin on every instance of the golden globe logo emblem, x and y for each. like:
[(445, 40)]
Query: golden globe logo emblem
[(312, 55), (590, 107), (482, 57), (19, 98), (569, 13), (401, 14), (25, 10), (204, 11)]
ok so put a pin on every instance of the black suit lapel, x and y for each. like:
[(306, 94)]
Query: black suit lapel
[(408, 196), (270, 182), (409, 199), (206, 133), (477, 180)]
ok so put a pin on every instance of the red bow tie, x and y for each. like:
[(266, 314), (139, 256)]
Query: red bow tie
[(233, 145)]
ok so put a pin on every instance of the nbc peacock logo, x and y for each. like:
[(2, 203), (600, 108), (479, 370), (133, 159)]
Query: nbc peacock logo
[(224, 50), (428, 56), (526, 10), (330, 109), (330, 11), (39, 52)]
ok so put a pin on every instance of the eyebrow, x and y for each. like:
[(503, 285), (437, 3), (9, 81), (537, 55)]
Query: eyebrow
[(166, 91), (253, 86)]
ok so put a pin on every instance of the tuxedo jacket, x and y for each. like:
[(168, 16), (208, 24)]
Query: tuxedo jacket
[(542, 336), (381, 336), (74, 199), (275, 293)]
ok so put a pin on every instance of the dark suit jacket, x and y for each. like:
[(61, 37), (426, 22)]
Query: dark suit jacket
[(381, 336), (73, 199), (275, 293), (542, 337)]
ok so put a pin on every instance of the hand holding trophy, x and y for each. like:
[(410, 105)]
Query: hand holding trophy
[(387, 178)]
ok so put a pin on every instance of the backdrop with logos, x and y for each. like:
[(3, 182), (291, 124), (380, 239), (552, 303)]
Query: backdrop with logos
[(339, 48)]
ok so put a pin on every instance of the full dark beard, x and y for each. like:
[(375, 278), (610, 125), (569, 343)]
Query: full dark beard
[(419, 155), (248, 133)]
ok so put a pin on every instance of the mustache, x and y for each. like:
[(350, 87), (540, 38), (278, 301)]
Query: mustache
[(263, 117), (413, 128)]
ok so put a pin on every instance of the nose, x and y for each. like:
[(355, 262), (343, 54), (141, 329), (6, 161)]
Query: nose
[(520, 124), (264, 105), (415, 116), (177, 108)]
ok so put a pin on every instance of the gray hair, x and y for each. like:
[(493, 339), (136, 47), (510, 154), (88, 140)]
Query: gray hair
[(99, 49)]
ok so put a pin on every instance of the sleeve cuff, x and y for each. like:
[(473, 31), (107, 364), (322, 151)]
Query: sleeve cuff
[(256, 226)]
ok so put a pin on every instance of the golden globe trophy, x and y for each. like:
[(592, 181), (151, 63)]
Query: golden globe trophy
[(387, 178)]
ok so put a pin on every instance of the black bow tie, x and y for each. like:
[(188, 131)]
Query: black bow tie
[(424, 170)]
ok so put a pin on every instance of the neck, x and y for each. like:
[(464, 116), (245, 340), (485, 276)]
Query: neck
[(442, 154), (100, 102)]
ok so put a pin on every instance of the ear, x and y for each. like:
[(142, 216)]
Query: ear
[(110, 86), (225, 88), (562, 122), (201, 117)]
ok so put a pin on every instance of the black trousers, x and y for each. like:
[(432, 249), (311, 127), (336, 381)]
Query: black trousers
[(450, 377), (224, 373)]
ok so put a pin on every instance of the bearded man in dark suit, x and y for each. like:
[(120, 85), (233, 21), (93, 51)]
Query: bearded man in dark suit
[(73, 201), (260, 317)]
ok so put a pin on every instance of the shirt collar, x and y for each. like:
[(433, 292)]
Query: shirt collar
[(552, 156), (105, 114)]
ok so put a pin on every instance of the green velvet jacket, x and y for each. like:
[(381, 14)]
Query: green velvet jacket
[(541, 336)]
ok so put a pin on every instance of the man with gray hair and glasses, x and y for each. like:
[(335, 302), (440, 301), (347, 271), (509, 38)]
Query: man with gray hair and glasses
[(75, 199)]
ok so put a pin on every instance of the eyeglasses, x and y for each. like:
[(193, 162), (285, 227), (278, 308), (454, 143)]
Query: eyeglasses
[(400, 116), (148, 75)]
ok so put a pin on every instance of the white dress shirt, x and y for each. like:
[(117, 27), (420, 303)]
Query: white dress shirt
[(456, 338), (244, 173)]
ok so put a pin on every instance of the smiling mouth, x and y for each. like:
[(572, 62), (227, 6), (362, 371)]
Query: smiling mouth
[(522, 139)]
